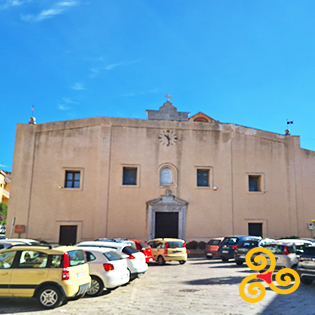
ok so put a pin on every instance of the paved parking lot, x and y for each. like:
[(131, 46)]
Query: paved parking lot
[(200, 286)]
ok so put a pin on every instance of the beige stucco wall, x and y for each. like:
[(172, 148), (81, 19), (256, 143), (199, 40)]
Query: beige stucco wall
[(103, 207)]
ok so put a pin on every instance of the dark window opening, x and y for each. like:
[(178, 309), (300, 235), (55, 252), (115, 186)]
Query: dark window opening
[(203, 178), (129, 176), (254, 183)]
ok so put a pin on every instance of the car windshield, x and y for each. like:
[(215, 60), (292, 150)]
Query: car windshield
[(111, 256), (129, 250), (230, 240), (175, 244), (144, 245), (275, 249), (248, 244), (76, 257), (214, 242)]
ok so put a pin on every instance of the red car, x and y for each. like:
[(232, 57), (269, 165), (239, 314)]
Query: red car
[(145, 248), (212, 247)]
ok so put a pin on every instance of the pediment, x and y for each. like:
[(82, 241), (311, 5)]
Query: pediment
[(201, 117), (167, 199)]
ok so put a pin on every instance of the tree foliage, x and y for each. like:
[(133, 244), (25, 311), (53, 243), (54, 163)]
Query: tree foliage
[(3, 212)]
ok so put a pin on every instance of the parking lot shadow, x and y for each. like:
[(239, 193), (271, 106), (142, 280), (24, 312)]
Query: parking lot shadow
[(298, 302), (18, 305), (216, 281)]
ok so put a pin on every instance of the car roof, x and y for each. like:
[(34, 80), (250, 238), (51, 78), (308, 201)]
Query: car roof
[(295, 241), (101, 243), (98, 249), (49, 249), (280, 243), (166, 239), (216, 238)]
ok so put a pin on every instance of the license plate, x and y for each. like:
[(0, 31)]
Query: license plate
[(311, 263), (81, 275), (225, 251), (176, 251)]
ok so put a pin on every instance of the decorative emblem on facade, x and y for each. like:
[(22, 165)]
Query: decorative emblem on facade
[(168, 192)]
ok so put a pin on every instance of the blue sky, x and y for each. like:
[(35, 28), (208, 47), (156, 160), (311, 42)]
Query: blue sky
[(250, 62)]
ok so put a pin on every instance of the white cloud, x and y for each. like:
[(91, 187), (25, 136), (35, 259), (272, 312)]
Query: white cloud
[(120, 64), (78, 86), (13, 3), (58, 8), (63, 107)]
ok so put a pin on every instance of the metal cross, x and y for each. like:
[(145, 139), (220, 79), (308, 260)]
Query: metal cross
[(168, 96)]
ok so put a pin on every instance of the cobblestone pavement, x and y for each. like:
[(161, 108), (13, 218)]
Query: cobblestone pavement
[(199, 287)]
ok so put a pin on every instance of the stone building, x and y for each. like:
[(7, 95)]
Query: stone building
[(165, 176)]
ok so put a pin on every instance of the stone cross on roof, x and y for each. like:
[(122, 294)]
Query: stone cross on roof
[(168, 96)]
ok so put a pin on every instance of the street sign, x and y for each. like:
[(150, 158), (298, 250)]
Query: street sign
[(310, 226)]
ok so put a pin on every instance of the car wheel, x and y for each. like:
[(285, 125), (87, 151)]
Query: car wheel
[(50, 297), (96, 287), (239, 263), (224, 259), (182, 262), (161, 260), (306, 281)]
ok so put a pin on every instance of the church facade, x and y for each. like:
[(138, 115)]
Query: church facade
[(165, 176)]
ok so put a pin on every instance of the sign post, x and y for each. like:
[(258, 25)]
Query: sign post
[(311, 227)]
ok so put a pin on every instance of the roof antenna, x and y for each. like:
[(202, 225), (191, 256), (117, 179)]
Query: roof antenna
[(287, 131), (32, 120)]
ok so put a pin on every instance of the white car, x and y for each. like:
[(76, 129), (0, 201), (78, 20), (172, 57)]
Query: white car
[(26, 241), (285, 254), (300, 244), (108, 269), (135, 259)]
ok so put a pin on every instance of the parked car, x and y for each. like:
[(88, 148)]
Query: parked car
[(212, 247), (229, 244), (242, 249), (119, 240), (51, 275), (285, 254), (135, 259), (306, 265), (145, 248), (168, 249), (2, 229), (7, 244), (300, 244), (108, 269), (26, 241)]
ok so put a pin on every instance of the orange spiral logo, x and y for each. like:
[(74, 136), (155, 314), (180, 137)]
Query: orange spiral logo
[(258, 287)]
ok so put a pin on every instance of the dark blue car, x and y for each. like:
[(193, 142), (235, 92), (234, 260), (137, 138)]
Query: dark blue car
[(228, 245)]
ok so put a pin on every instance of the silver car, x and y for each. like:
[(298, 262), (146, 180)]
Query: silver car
[(285, 254), (108, 269)]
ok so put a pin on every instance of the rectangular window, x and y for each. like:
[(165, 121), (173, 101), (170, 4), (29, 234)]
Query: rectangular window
[(254, 182), (202, 178), (129, 176), (72, 179)]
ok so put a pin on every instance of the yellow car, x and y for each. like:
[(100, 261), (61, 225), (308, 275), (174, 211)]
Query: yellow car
[(51, 275), (168, 249)]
